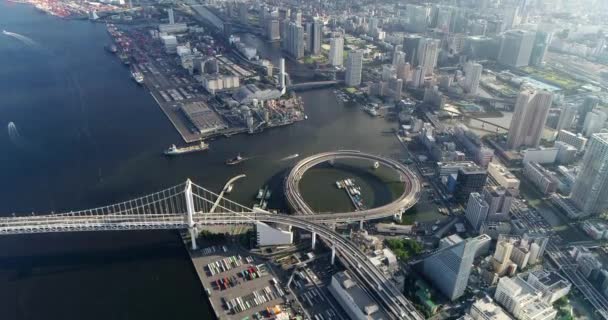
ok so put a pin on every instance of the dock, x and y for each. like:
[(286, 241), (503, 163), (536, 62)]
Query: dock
[(353, 191)]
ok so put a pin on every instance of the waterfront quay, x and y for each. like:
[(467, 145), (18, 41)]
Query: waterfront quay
[(202, 92)]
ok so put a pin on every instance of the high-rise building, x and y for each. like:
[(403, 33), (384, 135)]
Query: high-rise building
[(516, 48), (295, 40), (531, 111), (594, 122), (541, 45), (243, 12), (417, 18), (470, 179), (317, 35), (449, 268), (502, 255), (566, 117), (396, 87), (590, 190), (510, 17), (472, 72), (476, 211), (403, 72), (273, 31), (398, 58), (590, 103), (296, 17), (354, 67), (171, 16), (410, 47), (499, 201), (336, 51), (428, 51)]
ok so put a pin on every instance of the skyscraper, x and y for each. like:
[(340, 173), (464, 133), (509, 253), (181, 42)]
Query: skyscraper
[(541, 45), (417, 16), (531, 111), (272, 29), (566, 117), (410, 47), (336, 51), (295, 40), (428, 50), (510, 15), (516, 48), (313, 30), (472, 72), (243, 12), (590, 190), (449, 268), (171, 16), (354, 66), (594, 122), (476, 211), (398, 58)]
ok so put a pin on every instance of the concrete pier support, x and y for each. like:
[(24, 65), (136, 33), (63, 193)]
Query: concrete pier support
[(398, 216), (193, 234), (314, 240), (361, 225), (333, 254)]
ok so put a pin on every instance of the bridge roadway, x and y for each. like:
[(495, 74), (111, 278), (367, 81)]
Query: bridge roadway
[(392, 299), (408, 198)]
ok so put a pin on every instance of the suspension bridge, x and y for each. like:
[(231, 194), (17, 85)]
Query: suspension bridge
[(188, 206)]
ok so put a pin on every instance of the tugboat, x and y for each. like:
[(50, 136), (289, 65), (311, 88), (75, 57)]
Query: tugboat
[(236, 160), (174, 151)]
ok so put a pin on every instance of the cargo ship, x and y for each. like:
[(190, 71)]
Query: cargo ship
[(138, 77), (173, 150)]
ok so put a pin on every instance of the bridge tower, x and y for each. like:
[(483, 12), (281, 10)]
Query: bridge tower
[(190, 213)]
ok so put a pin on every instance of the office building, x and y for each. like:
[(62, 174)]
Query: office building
[(502, 256), (542, 155), (472, 73), (594, 122), (428, 51), (590, 190), (476, 211), (354, 67), (470, 179), (395, 86), (336, 51), (510, 17), (566, 153), (243, 12), (522, 300), (503, 177), (516, 48), (273, 31), (486, 309), (295, 40), (590, 103), (296, 17), (273, 235), (576, 140), (499, 201), (531, 111), (357, 304), (551, 285), (544, 180), (449, 268)]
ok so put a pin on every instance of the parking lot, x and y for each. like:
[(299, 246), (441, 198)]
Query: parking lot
[(239, 285)]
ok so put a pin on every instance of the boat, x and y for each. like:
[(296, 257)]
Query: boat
[(173, 150), (236, 160), (112, 48), (138, 77)]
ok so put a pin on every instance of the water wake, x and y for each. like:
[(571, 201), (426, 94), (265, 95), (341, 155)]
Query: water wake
[(26, 40), (293, 156)]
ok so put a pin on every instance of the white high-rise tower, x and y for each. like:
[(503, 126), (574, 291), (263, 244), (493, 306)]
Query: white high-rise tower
[(590, 190)]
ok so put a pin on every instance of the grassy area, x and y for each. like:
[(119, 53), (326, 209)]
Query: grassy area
[(553, 76), (351, 90), (404, 249)]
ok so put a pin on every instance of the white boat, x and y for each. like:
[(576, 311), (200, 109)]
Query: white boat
[(138, 77), (173, 150)]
